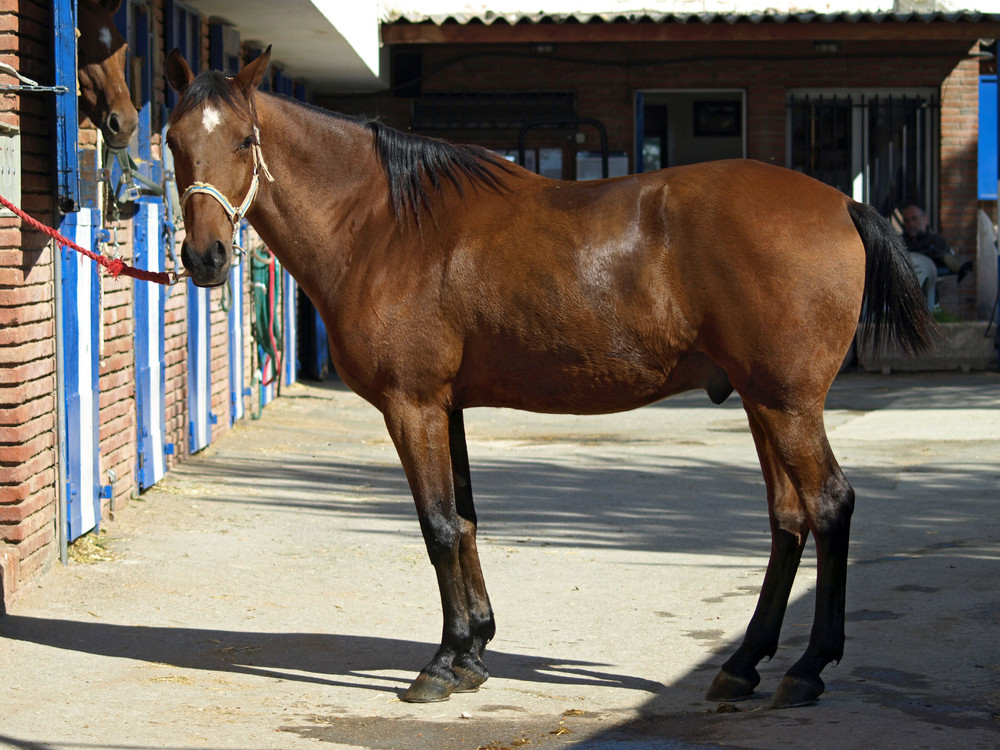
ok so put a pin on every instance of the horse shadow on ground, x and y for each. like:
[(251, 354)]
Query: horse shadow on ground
[(321, 659)]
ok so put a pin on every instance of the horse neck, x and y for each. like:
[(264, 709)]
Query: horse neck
[(325, 179)]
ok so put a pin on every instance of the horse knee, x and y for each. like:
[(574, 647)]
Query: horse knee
[(835, 508), (441, 537)]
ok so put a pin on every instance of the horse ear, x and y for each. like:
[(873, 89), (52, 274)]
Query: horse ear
[(179, 74), (111, 6), (252, 74)]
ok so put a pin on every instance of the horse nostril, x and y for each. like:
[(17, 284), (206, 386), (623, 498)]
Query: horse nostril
[(220, 254), (114, 125), (186, 255)]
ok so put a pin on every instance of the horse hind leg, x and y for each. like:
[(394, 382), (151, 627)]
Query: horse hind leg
[(826, 503), (738, 677), (830, 523)]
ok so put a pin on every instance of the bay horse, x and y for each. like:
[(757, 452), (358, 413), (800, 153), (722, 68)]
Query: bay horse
[(450, 279), (104, 97)]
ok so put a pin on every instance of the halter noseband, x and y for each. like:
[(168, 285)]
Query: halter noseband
[(235, 214)]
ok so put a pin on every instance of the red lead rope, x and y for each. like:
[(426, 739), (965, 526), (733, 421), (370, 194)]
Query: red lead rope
[(115, 266)]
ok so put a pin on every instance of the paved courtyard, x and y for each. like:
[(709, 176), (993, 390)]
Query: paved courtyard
[(273, 592)]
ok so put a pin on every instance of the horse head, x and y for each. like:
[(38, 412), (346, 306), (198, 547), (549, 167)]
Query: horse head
[(104, 96), (213, 136)]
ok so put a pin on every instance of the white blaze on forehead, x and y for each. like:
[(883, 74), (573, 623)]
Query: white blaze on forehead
[(210, 118), (105, 36)]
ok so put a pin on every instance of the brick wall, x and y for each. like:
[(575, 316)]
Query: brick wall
[(28, 409), (27, 345), (959, 177)]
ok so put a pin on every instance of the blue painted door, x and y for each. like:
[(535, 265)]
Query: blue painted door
[(79, 295), (148, 242), (80, 345), (289, 360), (235, 322), (150, 357), (199, 350)]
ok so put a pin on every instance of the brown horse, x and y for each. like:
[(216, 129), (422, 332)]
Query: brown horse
[(104, 96), (451, 279)]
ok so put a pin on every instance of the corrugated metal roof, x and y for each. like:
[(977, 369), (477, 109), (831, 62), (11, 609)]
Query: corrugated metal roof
[(491, 17)]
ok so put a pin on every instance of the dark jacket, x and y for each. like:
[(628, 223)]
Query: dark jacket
[(932, 245)]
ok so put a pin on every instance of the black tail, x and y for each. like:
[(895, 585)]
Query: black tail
[(894, 311)]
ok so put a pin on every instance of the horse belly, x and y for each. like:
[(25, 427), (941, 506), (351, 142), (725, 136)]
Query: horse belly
[(580, 380)]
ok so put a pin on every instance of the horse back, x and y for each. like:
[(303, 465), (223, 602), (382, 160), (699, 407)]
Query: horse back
[(649, 284), (602, 296)]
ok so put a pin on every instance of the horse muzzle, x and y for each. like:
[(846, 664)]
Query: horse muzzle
[(118, 127), (210, 266)]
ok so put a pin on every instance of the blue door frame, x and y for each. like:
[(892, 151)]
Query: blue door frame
[(183, 26), (79, 321), (67, 161), (133, 21)]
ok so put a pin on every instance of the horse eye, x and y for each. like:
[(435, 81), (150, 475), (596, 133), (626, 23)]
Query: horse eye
[(247, 143)]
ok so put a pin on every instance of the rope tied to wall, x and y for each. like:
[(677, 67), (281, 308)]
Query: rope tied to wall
[(114, 267)]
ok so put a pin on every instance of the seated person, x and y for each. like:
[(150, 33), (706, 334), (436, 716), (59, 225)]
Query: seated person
[(928, 251)]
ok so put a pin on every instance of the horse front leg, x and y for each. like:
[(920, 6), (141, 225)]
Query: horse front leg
[(421, 436), (469, 665)]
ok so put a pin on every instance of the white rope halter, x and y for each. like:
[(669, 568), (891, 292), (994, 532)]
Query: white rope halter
[(235, 214)]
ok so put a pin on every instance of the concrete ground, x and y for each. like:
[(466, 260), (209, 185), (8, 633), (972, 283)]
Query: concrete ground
[(273, 592)]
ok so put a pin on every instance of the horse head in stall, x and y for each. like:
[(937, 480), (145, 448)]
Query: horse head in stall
[(104, 95)]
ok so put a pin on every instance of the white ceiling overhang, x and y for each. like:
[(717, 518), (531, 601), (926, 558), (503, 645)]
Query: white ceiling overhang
[(331, 45)]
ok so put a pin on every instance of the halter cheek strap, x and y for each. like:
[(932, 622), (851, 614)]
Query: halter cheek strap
[(235, 214)]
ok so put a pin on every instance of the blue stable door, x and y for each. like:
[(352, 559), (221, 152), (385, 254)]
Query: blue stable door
[(199, 350), (80, 348), (235, 322), (150, 355)]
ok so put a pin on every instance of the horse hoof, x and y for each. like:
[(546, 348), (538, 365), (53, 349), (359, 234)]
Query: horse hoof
[(730, 687), (470, 678), (428, 689), (797, 691)]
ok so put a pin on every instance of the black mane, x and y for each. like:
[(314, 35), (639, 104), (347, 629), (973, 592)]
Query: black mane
[(412, 161)]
